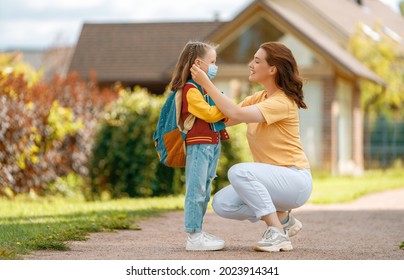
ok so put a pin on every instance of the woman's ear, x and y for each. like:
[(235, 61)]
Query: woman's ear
[(273, 70)]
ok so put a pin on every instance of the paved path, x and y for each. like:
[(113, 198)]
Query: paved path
[(369, 228)]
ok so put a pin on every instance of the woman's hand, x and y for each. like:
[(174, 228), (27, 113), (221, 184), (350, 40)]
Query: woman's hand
[(199, 76)]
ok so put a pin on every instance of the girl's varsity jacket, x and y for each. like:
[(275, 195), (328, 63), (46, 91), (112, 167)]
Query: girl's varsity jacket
[(208, 117)]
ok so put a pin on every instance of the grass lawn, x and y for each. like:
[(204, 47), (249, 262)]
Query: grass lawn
[(327, 189), (44, 223), (47, 224)]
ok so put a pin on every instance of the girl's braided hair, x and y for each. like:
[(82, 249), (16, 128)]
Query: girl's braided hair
[(191, 51)]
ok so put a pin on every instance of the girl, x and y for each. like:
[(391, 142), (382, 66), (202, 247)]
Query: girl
[(202, 141), (279, 179)]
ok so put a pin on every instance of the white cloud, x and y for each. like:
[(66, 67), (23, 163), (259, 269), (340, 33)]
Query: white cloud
[(33, 24), (62, 4), (38, 34), (36, 23)]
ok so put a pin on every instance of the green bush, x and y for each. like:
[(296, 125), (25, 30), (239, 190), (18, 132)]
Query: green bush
[(124, 161)]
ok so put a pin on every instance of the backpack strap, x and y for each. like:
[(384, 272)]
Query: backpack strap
[(185, 126), (188, 123), (192, 82)]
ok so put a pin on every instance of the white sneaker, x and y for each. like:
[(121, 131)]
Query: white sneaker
[(211, 236), (204, 242), (292, 226), (274, 241)]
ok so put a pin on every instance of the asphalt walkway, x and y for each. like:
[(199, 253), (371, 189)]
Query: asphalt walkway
[(370, 228)]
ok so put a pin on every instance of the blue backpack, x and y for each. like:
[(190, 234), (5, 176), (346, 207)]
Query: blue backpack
[(170, 134)]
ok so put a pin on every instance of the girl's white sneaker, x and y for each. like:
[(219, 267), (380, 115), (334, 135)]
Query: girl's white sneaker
[(204, 242)]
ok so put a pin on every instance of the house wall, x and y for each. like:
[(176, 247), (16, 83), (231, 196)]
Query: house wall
[(329, 140), (344, 127), (311, 123), (358, 131), (349, 128)]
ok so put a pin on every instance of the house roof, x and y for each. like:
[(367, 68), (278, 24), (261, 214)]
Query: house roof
[(147, 52), (345, 14), (320, 41), (134, 51)]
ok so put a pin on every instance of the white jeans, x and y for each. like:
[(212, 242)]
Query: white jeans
[(259, 189)]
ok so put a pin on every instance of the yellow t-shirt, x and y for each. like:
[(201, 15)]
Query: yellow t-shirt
[(276, 141)]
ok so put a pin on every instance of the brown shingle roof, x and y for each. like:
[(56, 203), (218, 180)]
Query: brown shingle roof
[(144, 52)]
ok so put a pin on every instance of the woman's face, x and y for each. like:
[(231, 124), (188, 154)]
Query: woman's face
[(259, 68)]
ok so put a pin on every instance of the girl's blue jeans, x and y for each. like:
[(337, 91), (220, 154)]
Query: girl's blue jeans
[(200, 171)]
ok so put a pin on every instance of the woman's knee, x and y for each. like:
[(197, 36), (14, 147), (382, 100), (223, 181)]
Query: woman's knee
[(223, 200), (217, 204), (236, 171), (227, 204), (237, 174)]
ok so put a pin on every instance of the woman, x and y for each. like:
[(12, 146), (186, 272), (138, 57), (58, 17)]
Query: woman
[(279, 179)]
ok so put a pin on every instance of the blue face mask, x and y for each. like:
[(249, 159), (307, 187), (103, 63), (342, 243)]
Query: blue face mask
[(212, 70)]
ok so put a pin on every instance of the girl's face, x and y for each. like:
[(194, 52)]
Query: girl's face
[(209, 58), (260, 71)]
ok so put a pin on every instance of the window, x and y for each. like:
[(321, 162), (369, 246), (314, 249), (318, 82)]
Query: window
[(242, 49)]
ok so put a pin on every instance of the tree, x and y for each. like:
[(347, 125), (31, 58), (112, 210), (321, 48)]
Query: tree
[(13, 63), (385, 57), (382, 105)]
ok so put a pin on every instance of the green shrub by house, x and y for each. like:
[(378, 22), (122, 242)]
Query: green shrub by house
[(124, 161)]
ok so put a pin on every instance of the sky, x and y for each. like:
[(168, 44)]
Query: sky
[(40, 24)]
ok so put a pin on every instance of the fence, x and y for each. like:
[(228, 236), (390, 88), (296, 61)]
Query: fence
[(384, 143)]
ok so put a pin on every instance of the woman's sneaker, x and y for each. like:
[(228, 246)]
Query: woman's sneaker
[(274, 241), (204, 242), (292, 226)]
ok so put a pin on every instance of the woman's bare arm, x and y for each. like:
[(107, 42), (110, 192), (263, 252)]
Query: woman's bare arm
[(230, 109)]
